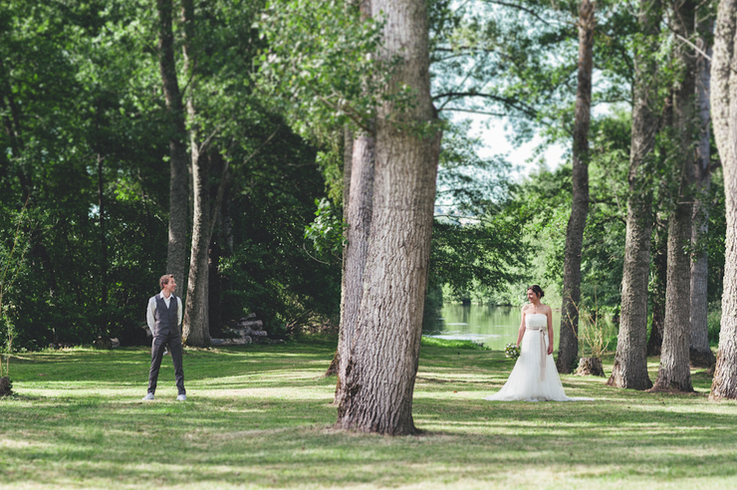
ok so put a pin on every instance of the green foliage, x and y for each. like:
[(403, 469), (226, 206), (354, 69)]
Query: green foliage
[(536, 214), (597, 332), (468, 184), (321, 66), (326, 232), (714, 321), (90, 146), (604, 238), (270, 271), (483, 253), (12, 260), (714, 241), (433, 308)]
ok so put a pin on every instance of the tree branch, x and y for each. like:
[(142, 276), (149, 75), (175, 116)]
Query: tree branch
[(353, 115), (470, 111), (520, 7), (505, 100)]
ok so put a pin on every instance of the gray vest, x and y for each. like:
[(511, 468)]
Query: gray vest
[(166, 319)]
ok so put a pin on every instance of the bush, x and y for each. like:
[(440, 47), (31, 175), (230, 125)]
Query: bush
[(713, 322)]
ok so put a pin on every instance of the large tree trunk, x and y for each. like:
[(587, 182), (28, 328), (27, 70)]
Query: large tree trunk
[(700, 351), (176, 258), (382, 363), (724, 114), (630, 363), (674, 372), (568, 343)]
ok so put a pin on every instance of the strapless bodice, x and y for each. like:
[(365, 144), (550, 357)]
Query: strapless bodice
[(536, 321)]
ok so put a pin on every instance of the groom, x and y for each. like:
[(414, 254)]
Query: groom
[(164, 315)]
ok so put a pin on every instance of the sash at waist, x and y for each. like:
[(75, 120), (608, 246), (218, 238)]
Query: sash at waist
[(542, 328)]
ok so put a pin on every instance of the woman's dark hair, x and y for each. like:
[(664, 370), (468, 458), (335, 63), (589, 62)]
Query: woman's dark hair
[(537, 290)]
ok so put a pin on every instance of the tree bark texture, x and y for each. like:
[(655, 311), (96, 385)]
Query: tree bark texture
[(630, 363), (176, 258), (568, 340), (700, 351), (674, 373), (196, 318), (724, 114), (360, 207), (382, 363)]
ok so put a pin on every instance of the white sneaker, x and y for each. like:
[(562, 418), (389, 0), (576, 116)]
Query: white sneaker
[(182, 398), (148, 397)]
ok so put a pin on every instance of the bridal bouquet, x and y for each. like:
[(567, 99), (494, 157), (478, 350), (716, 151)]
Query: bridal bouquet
[(512, 351)]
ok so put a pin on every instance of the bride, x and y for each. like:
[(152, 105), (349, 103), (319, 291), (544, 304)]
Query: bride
[(534, 377)]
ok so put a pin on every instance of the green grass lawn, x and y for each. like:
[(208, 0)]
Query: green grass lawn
[(261, 417)]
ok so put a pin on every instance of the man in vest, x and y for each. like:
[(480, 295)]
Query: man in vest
[(164, 316)]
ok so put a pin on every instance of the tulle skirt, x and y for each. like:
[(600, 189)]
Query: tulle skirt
[(529, 381)]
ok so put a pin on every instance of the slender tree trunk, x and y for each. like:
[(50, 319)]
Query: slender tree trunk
[(359, 160), (195, 331), (724, 113), (103, 234), (568, 343), (657, 292), (347, 172), (674, 372), (382, 364), (630, 363), (215, 289), (176, 258), (205, 216), (700, 351), (226, 226), (360, 207)]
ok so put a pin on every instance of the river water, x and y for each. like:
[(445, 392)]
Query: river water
[(493, 326)]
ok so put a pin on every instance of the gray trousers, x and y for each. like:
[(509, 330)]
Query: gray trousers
[(174, 342)]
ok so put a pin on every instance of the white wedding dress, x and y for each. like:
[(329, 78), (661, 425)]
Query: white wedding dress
[(534, 377)]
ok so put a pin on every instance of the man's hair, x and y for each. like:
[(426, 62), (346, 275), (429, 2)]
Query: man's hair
[(164, 280)]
